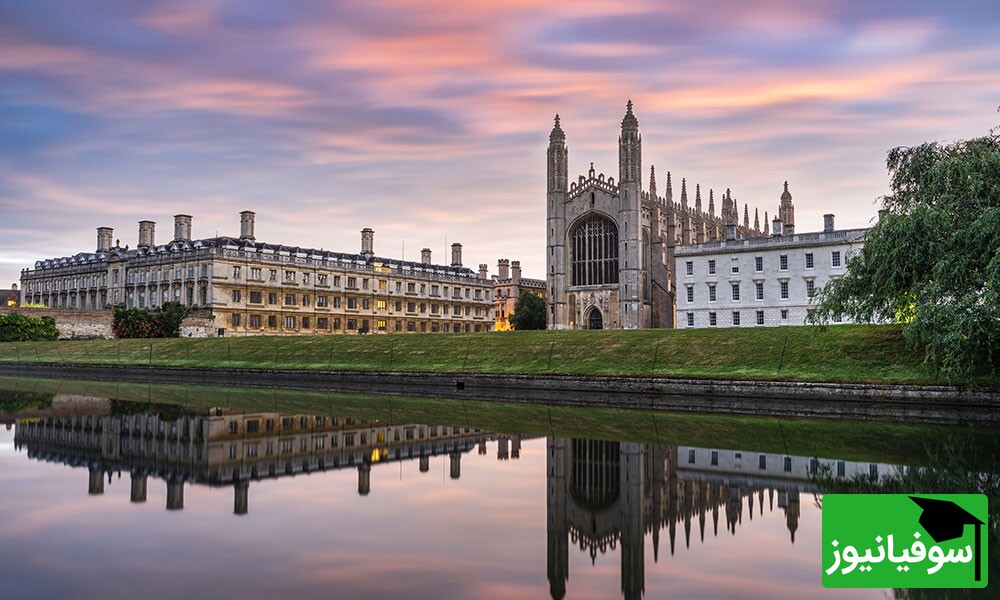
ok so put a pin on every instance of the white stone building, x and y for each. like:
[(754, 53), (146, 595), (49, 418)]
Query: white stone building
[(765, 281)]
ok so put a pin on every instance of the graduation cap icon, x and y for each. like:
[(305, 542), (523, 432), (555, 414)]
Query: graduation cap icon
[(945, 520)]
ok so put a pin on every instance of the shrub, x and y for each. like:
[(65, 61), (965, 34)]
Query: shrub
[(16, 327), (141, 323)]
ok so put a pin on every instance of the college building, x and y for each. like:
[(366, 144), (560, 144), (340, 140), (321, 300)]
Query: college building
[(507, 288), (251, 287), (764, 281)]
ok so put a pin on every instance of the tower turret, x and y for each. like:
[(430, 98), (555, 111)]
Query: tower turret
[(786, 210), (630, 244), (557, 167)]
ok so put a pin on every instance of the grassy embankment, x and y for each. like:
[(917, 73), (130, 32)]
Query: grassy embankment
[(843, 353), (849, 440)]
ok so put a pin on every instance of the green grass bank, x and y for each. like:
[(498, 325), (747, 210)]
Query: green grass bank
[(843, 353)]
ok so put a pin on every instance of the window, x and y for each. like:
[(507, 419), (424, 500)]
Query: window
[(272, 322), (322, 323), (336, 301), (809, 260), (289, 299), (760, 317), (689, 268), (254, 321), (762, 462), (290, 276), (321, 279), (734, 265), (411, 307), (381, 304), (784, 290), (352, 283), (256, 297), (711, 319), (736, 317), (711, 292), (322, 301), (236, 296), (255, 273), (690, 319), (690, 456), (272, 274), (272, 298), (594, 252), (352, 303), (788, 464), (289, 322), (715, 458), (760, 290), (690, 293), (784, 314), (366, 304), (736, 291), (336, 281), (783, 262), (835, 258), (810, 288), (758, 263), (305, 278), (305, 322), (711, 267), (235, 320), (364, 285), (236, 272), (381, 325), (352, 324), (305, 300)]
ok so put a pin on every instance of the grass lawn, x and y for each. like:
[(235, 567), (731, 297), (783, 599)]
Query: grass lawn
[(842, 353)]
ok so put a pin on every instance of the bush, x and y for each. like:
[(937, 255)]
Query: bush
[(16, 327), (164, 322)]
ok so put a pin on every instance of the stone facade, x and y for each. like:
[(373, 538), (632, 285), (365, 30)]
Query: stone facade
[(251, 287), (97, 324), (610, 248), (762, 281), (507, 288)]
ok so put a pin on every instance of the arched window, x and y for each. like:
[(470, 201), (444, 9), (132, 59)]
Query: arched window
[(594, 259)]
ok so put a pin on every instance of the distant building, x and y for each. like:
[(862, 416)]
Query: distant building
[(507, 288), (764, 281), (610, 244), (252, 287), (10, 297)]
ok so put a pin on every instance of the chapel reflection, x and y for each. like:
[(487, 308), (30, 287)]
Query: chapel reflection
[(606, 495), (219, 447)]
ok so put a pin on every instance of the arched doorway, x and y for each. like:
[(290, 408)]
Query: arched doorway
[(595, 320)]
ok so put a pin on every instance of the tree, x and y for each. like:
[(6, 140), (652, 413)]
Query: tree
[(529, 312), (932, 262)]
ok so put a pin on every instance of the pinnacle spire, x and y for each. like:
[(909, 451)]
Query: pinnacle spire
[(652, 182), (756, 219), (697, 198), (711, 203), (670, 189), (557, 134), (746, 215), (684, 192), (766, 228), (629, 123)]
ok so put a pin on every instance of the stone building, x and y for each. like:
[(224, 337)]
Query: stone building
[(763, 281), (10, 297), (610, 249), (252, 287), (507, 288)]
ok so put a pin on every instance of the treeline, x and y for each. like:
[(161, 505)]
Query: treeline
[(17, 327), (163, 322)]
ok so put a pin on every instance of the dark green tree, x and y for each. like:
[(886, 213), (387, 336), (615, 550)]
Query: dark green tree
[(932, 262), (529, 312)]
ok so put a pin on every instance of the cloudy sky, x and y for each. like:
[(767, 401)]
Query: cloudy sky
[(427, 120)]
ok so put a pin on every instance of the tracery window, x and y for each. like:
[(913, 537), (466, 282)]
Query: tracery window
[(594, 259)]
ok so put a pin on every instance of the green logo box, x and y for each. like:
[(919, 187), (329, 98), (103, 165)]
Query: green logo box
[(904, 541)]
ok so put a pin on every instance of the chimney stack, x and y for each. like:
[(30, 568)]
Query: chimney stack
[(367, 242), (515, 272), (425, 256), (503, 269), (146, 229), (182, 228), (246, 225), (788, 229), (484, 270), (456, 255), (827, 223), (104, 237), (730, 231), (776, 226)]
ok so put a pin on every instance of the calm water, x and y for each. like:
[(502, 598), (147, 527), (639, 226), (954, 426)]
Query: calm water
[(105, 499)]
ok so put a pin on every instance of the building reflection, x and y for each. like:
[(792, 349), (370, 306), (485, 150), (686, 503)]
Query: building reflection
[(606, 495), (218, 447)]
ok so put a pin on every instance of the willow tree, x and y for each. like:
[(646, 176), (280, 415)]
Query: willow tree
[(932, 262)]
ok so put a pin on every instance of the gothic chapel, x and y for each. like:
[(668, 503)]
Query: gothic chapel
[(610, 249)]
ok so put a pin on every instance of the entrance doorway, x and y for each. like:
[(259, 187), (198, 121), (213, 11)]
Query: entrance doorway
[(595, 320)]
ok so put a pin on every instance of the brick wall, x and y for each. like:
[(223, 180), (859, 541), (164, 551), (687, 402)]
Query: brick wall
[(75, 324)]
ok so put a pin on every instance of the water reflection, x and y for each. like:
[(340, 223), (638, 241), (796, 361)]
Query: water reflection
[(602, 497)]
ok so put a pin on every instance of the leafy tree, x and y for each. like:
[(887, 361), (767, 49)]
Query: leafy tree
[(529, 312), (16, 327), (141, 323), (932, 262)]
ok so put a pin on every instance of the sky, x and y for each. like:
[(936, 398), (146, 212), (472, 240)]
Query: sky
[(428, 120)]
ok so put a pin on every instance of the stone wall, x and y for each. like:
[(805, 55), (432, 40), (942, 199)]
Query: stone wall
[(89, 324)]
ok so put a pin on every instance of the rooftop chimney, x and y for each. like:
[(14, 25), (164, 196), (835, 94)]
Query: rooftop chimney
[(776, 226), (425, 256), (104, 237), (788, 229), (730, 231), (246, 225), (146, 229), (827, 223), (367, 241), (503, 269), (515, 272), (456, 255), (484, 270), (182, 228)]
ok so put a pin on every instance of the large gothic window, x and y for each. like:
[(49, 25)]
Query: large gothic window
[(594, 260)]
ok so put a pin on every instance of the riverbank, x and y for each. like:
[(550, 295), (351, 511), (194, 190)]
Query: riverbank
[(862, 354)]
